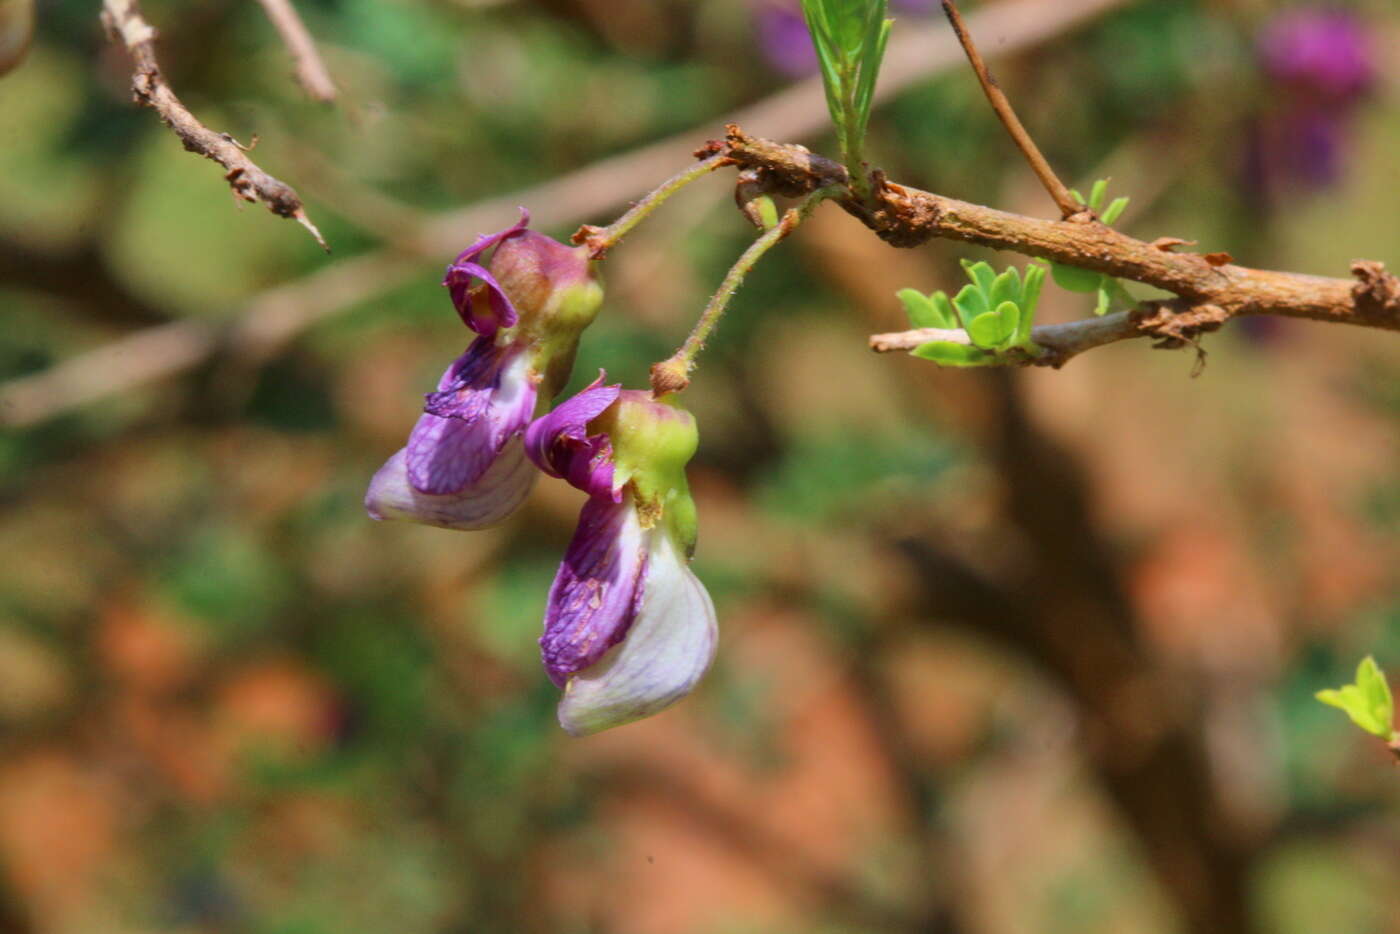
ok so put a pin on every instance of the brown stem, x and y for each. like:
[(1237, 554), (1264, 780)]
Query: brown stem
[(124, 22), (310, 69), (1211, 287), (1004, 111)]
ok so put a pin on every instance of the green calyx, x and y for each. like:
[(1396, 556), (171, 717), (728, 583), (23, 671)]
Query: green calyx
[(652, 441), (554, 331)]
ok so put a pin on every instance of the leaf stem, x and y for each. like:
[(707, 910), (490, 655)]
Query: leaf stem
[(601, 239), (673, 373)]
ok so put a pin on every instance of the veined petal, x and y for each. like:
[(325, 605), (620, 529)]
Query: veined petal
[(483, 400), (667, 649), (499, 312), (560, 445), (594, 596), (499, 491)]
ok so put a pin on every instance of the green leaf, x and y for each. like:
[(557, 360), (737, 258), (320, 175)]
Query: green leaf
[(1030, 296), (944, 305), (1006, 287), (948, 353), (1074, 192), (982, 274), (1115, 210), (1075, 279), (1368, 702), (1112, 296), (1097, 193), (994, 329), (920, 309), (1376, 692), (1030, 290), (1105, 301), (970, 303)]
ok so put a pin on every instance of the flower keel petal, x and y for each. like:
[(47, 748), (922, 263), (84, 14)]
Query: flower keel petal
[(667, 649)]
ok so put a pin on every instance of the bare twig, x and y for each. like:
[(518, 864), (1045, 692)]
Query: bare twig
[(310, 70), (281, 313), (124, 21), (1004, 111)]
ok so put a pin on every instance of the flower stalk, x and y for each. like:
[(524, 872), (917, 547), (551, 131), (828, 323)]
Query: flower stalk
[(673, 373), (601, 239)]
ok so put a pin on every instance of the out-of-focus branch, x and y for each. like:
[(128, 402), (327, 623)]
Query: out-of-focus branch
[(310, 70), (283, 312), (1007, 115), (125, 23)]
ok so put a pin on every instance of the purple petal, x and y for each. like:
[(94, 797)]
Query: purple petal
[(668, 648), (560, 445), (484, 399), (499, 312), (496, 495), (594, 596)]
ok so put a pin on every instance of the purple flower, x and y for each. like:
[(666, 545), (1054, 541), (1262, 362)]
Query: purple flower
[(629, 629), (1321, 66), (1320, 52), (464, 466)]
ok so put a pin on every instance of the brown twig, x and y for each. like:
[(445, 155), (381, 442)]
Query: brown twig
[(310, 69), (1210, 294), (1004, 111), (124, 21)]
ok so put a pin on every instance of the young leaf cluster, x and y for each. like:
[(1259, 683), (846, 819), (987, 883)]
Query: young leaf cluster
[(850, 38), (996, 311), (1110, 292), (1367, 702)]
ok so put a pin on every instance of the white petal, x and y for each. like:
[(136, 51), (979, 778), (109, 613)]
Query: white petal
[(491, 499), (666, 651)]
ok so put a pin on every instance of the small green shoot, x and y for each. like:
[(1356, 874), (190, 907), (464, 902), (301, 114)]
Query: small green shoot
[(996, 311), (1109, 292), (850, 38), (1367, 702)]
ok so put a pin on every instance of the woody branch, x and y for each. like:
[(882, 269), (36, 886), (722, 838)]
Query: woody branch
[(248, 181), (1210, 290)]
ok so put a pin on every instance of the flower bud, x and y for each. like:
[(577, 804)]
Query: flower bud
[(628, 629)]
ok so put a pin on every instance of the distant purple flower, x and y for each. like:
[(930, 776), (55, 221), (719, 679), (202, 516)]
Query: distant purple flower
[(464, 466), (783, 38), (629, 629), (1322, 52), (1320, 65)]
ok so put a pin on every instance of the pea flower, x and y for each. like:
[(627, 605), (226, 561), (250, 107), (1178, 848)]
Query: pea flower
[(464, 466), (629, 629)]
